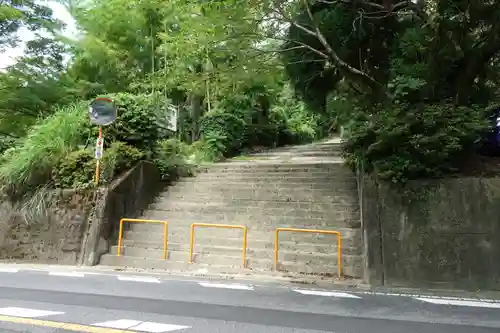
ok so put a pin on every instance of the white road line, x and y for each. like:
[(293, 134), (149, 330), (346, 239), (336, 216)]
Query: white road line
[(120, 324), (137, 325), (226, 286), (459, 303), (157, 327), (138, 278), (325, 293), (8, 270), (415, 296), (26, 313), (71, 274)]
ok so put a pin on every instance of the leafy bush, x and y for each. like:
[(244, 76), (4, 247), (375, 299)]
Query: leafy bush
[(77, 169), (242, 105), (239, 122), (142, 120), (223, 132), (121, 157), (294, 121), (262, 135), (30, 163), (172, 157), (401, 143)]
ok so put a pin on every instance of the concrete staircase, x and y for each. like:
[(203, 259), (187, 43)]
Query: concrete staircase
[(301, 187)]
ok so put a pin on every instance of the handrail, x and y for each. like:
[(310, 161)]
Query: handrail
[(225, 226), (328, 232), (165, 233)]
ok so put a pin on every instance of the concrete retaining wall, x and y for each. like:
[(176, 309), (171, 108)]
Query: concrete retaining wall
[(74, 227), (47, 230), (126, 197), (439, 234)]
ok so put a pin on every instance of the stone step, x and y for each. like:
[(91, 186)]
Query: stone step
[(304, 209), (235, 259), (276, 177), (307, 154), (315, 152), (287, 207), (180, 256), (282, 172), (256, 229), (305, 148), (276, 168), (233, 246), (302, 180), (299, 196), (288, 164), (334, 219), (317, 265), (324, 145), (257, 183), (180, 253), (260, 234), (351, 239), (235, 191), (122, 261), (320, 185), (254, 198), (152, 263), (263, 224)]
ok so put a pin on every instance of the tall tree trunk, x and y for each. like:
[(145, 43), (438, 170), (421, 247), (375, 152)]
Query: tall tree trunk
[(196, 99), (196, 106)]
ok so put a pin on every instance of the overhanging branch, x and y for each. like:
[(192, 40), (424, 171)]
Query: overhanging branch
[(343, 66)]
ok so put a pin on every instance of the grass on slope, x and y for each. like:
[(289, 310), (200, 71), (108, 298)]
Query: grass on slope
[(29, 163)]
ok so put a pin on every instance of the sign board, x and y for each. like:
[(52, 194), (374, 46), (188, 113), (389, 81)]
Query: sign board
[(172, 118), (102, 111), (99, 148)]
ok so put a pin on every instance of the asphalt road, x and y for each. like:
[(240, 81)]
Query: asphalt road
[(64, 301)]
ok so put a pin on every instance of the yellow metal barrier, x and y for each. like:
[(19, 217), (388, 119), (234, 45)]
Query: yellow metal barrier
[(328, 232), (225, 226), (165, 233)]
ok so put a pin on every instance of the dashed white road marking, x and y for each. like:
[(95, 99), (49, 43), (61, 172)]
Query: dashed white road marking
[(325, 293), (8, 270), (157, 327), (476, 304), (426, 296), (26, 313), (120, 324), (70, 274), (226, 286), (138, 278), (143, 326)]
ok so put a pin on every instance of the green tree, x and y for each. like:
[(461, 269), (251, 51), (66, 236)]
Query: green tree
[(118, 45), (36, 82), (15, 14), (419, 75)]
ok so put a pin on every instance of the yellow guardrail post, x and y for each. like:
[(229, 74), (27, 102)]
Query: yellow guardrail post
[(225, 226), (327, 232), (165, 233)]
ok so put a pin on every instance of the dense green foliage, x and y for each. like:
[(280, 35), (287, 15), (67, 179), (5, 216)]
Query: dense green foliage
[(408, 81), (142, 119), (29, 163), (411, 80), (403, 142)]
